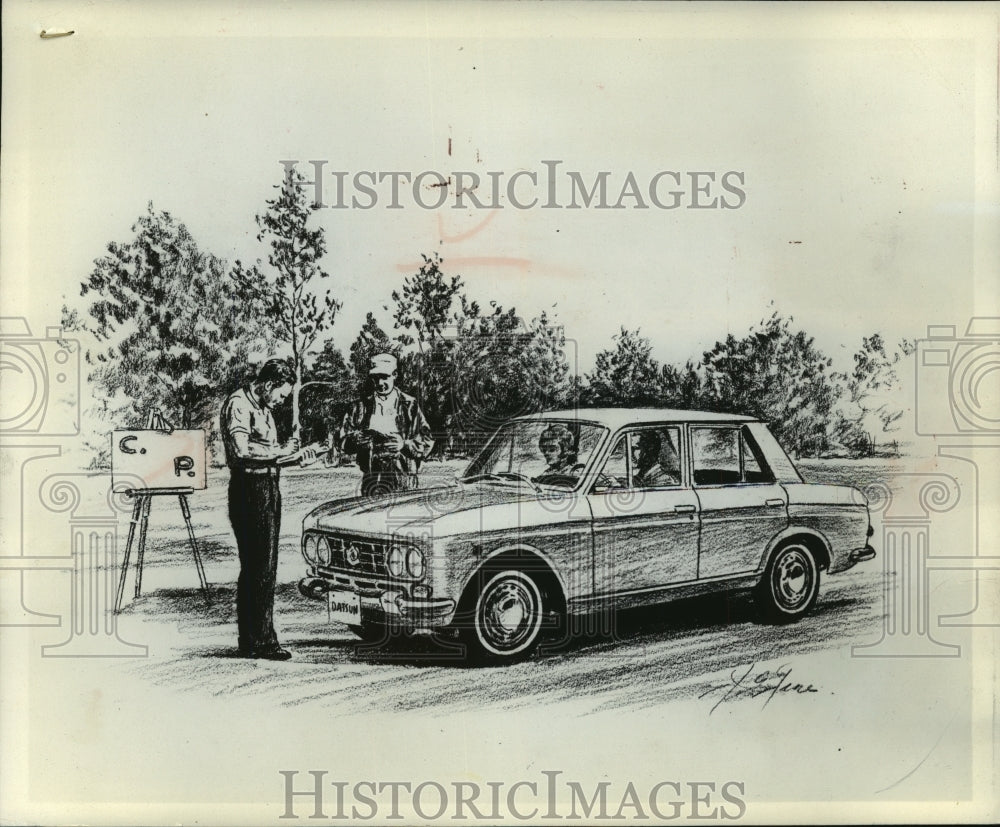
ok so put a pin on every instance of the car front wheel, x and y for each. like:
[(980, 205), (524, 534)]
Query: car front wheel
[(506, 622), (790, 584)]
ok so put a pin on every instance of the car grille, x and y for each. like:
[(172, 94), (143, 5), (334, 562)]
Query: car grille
[(370, 558)]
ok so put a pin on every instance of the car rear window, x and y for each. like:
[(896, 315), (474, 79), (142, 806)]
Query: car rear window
[(781, 466), (716, 455)]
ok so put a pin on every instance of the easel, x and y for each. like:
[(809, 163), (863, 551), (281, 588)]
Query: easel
[(140, 516)]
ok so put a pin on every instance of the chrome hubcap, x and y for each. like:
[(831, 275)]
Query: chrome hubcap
[(509, 614), (793, 578)]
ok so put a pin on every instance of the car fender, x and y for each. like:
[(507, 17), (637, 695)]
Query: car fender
[(795, 531), (524, 548)]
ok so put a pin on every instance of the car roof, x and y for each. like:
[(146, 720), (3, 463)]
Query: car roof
[(620, 417)]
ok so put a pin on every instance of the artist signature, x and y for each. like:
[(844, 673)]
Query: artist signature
[(745, 682)]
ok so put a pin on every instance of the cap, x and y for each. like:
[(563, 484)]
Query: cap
[(383, 364)]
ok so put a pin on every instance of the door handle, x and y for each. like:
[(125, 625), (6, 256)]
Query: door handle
[(684, 509), (774, 503)]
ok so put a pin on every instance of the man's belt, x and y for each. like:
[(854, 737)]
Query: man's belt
[(262, 471)]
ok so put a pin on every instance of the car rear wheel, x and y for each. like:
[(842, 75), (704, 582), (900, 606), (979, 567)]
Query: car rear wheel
[(506, 618), (790, 585)]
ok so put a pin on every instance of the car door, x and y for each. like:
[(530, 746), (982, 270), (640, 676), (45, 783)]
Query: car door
[(645, 519), (742, 507)]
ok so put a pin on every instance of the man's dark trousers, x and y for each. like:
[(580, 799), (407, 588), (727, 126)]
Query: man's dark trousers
[(255, 514)]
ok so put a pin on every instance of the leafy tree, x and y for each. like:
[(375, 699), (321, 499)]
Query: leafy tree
[(426, 340), (871, 407), (372, 339), (502, 367), (330, 387), (423, 305), (169, 329), (779, 375), (472, 369), (291, 290), (625, 375), (681, 387)]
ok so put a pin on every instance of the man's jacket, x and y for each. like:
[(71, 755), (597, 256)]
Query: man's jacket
[(410, 423)]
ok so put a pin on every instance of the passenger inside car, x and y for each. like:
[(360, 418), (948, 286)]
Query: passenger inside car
[(655, 461)]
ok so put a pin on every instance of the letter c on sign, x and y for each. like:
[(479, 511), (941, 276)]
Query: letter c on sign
[(123, 444)]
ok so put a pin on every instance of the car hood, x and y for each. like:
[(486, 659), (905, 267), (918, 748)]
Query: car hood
[(444, 511)]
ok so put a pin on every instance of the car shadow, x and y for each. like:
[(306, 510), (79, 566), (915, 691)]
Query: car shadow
[(634, 658), (687, 619), (841, 611)]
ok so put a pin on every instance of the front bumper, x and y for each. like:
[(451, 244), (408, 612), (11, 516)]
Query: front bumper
[(387, 606)]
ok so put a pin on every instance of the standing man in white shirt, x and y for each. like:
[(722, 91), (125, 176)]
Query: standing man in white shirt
[(388, 432), (254, 457)]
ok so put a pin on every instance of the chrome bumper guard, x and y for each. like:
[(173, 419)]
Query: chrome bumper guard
[(391, 604), (859, 555)]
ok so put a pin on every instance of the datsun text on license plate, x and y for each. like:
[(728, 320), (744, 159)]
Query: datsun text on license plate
[(344, 607)]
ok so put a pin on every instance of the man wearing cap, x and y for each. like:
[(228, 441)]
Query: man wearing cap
[(388, 432), (254, 457)]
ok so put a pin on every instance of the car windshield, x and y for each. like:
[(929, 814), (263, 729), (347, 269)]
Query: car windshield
[(537, 452)]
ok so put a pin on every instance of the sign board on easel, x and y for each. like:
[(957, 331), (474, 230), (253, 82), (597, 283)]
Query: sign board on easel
[(166, 462), (160, 458)]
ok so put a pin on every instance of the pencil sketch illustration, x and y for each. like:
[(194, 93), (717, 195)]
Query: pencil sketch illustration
[(461, 494), (571, 511), (513, 416)]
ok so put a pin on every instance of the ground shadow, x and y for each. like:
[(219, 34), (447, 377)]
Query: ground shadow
[(644, 657)]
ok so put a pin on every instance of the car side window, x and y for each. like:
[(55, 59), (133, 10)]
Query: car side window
[(716, 456), (656, 460), (614, 474), (755, 468)]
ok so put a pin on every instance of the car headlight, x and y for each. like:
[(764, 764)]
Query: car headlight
[(309, 549), (415, 562), (323, 553), (394, 561)]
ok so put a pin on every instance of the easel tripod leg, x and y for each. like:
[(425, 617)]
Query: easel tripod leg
[(136, 508), (186, 510), (147, 502)]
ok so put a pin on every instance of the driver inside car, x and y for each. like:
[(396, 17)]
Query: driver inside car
[(556, 445)]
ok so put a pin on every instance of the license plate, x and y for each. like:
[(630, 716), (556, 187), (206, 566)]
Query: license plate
[(344, 607)]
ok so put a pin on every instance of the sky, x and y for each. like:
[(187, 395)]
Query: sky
[(857, 148)]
